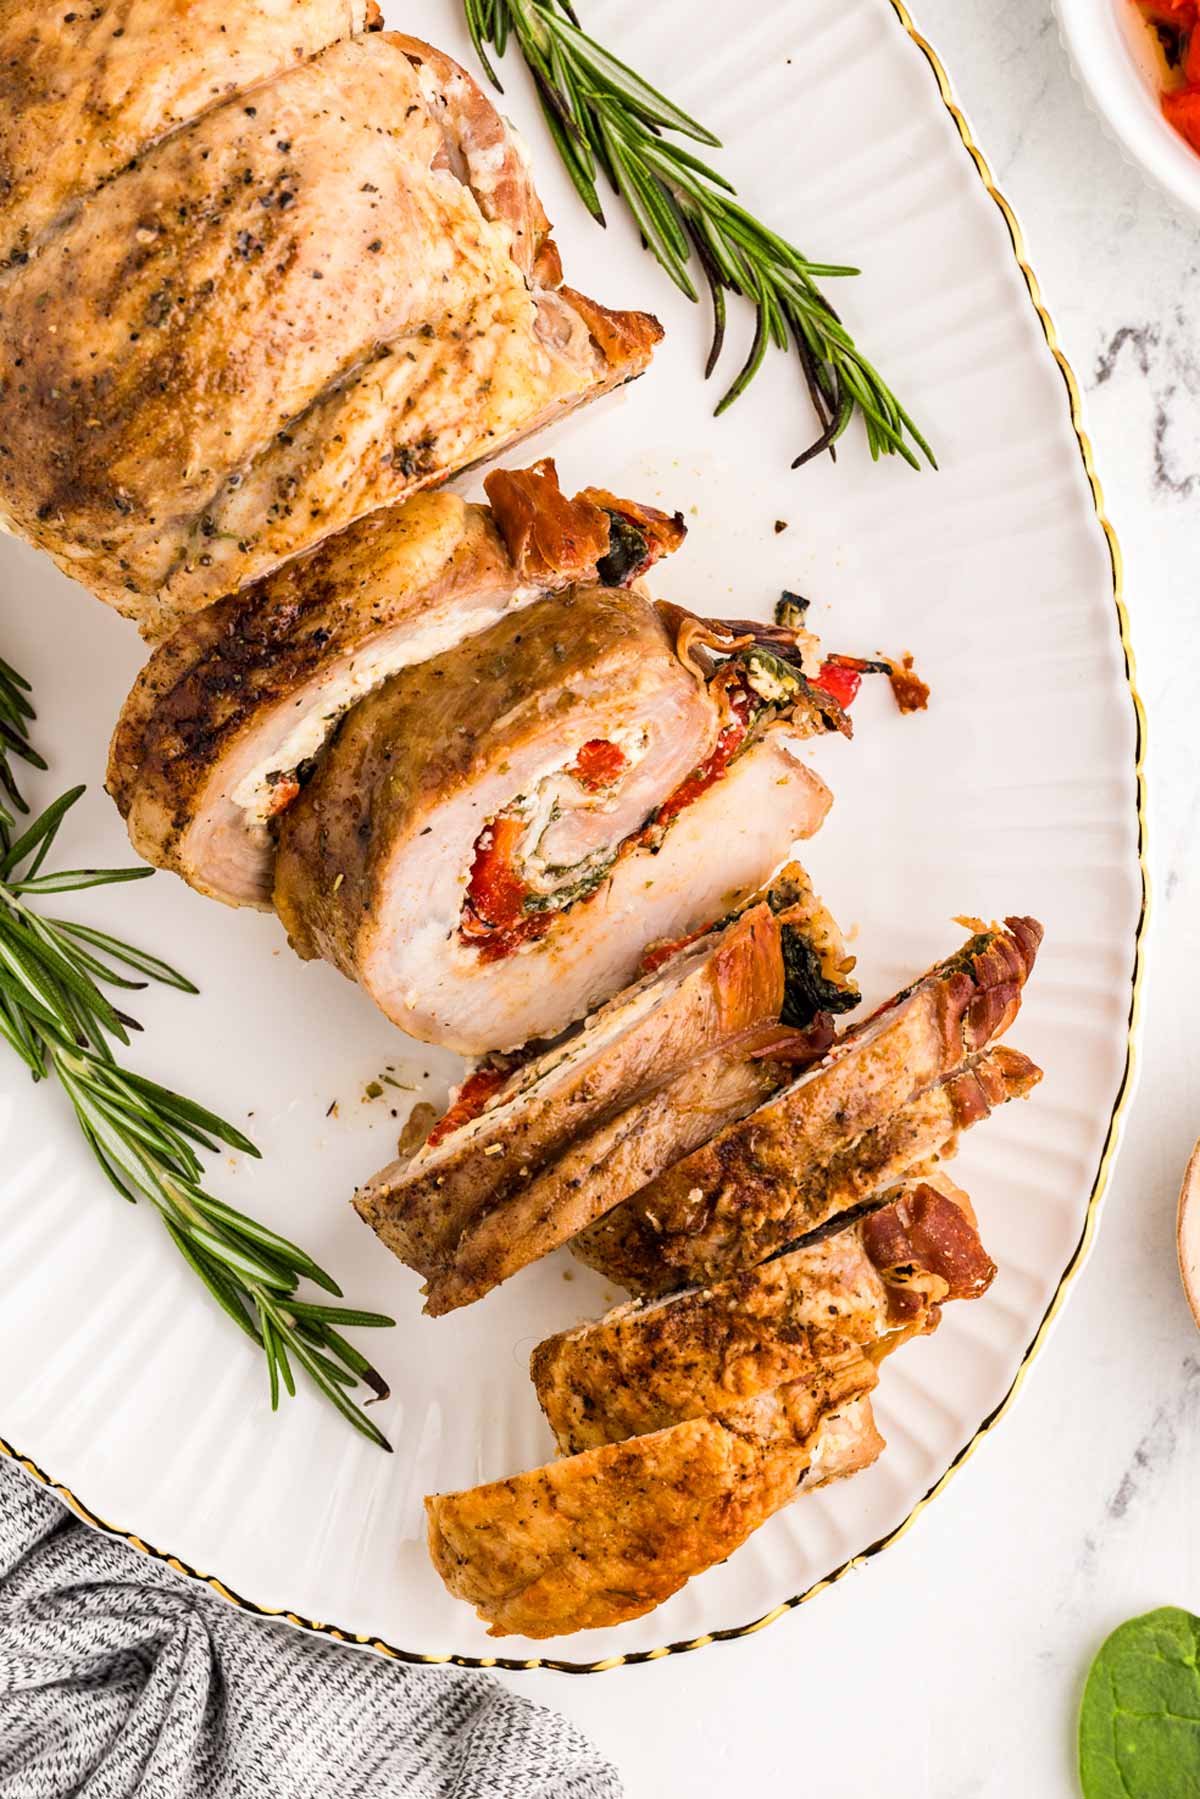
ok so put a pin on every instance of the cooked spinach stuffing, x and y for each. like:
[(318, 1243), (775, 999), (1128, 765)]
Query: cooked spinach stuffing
[(807, 988), (627, 551)]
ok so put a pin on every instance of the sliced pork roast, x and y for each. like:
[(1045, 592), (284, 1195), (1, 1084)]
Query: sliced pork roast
[(607, 1535), (523, 1160), (492, 838), (231, 709), (805, 1316), (274, 307), (893, 1092)]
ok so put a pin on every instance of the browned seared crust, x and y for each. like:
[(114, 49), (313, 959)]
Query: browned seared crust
[(226, 666), (606, 1536), (792, 1412), (502, 1194), (758, 1186), (83, 90), (804, 1317), (707, 1350), (277, 316)]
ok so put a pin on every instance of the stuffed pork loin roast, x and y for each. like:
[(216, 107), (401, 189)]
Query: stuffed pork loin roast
[(233, 706), (261, 274), (493, 837), (526, 1156)]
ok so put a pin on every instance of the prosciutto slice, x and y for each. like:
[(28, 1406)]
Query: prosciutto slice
[(234, 706), (493, 837), (893, 1092), (305, 275)]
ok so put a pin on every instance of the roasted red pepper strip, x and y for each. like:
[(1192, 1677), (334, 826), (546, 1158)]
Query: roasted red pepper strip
[(495, 892), (840, 683), (658, 953), (494, 919), (284, 789), (1182, 110), (598, 764), (728, 743), (473, 1096)]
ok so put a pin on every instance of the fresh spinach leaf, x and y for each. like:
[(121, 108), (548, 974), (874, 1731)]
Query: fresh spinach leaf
[(1139, 1726)]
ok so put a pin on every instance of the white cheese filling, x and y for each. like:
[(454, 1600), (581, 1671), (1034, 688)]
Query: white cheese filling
[(318, 710)]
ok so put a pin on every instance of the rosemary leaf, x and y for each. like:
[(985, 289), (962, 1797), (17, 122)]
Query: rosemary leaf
[(339, 1314), (46, 825), (223, 1291), (68, 880), (145, 1138), (146, 964), (305, 1354), (185, 1112)]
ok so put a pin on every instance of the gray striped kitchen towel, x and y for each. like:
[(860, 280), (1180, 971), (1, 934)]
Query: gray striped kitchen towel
[(118, 1676)]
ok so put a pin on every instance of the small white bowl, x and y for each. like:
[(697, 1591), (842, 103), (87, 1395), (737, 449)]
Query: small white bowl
[(1101, 38)]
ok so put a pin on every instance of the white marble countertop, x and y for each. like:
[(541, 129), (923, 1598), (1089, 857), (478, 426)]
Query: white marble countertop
[(951, 1668)]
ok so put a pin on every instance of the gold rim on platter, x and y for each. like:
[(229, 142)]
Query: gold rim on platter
[(1103, 1172)]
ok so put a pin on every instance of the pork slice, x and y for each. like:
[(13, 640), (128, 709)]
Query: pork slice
[(605, 1536), (717, 991), (377, 854), (739, 1185), (596, 1172), (805, 1316), (750, 1191)]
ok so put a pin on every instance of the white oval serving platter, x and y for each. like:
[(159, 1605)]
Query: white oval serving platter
[(1019, 790)]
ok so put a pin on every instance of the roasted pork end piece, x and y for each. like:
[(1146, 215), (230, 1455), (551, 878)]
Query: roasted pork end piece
[(603, 1537), (270, 318)]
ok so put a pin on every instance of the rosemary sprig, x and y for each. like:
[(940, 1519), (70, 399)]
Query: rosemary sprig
[(606, 119), (57, 1017), (16, 715)]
